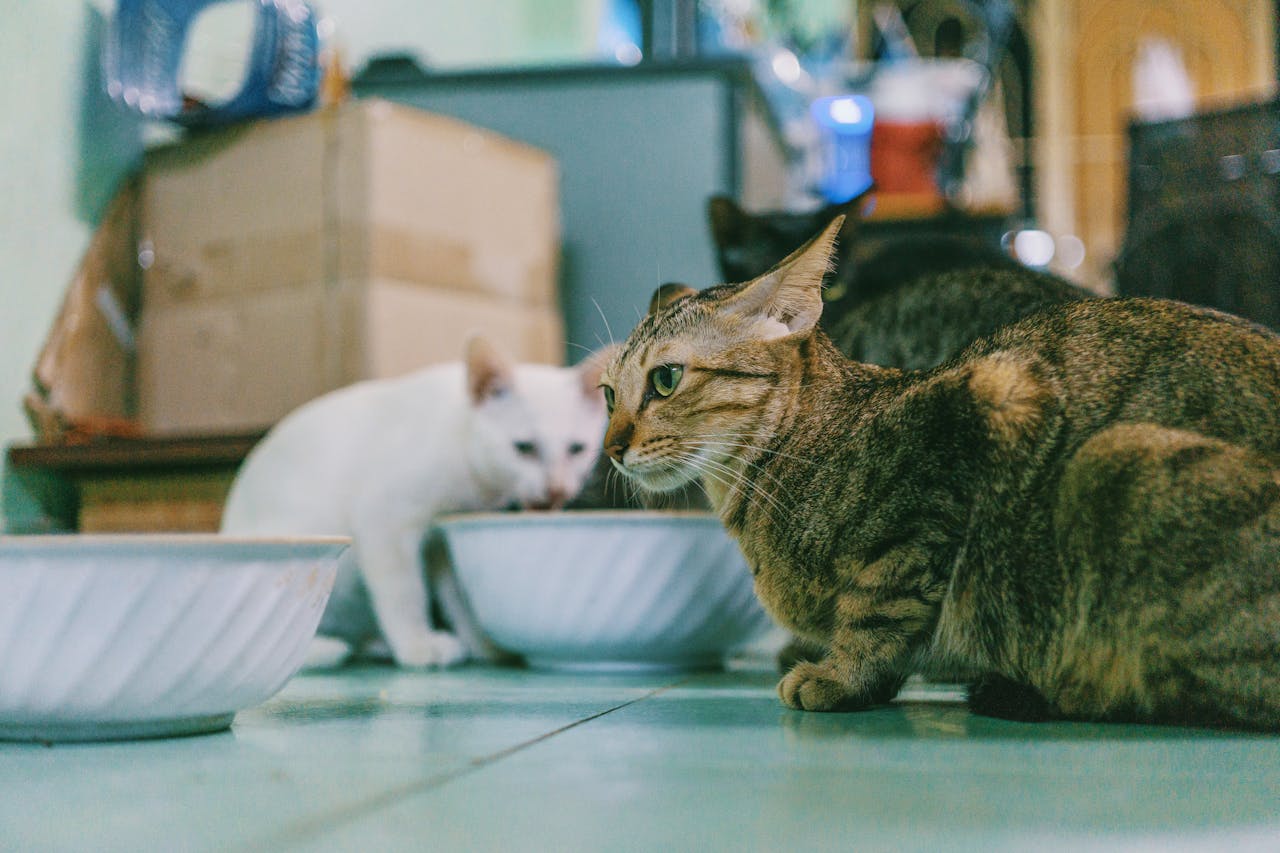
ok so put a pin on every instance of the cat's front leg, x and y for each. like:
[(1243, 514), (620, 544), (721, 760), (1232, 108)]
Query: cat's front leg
[(876, 628), (390, 558)]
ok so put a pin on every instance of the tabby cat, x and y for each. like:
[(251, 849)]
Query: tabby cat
[(909, 301), (903, 301), (1084, 507)]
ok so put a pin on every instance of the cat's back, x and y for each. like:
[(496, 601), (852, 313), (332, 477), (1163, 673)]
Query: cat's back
[(1128, 329), (309, 463), (1161, 361)]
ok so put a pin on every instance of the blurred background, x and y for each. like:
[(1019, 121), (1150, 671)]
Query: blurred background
[(194, 206)]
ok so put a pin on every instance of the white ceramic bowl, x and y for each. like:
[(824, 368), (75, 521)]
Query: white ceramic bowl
[(606, 590), (106, 637)]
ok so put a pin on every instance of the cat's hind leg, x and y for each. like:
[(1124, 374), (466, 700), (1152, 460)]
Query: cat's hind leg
[(993, 695), (1173, 616)]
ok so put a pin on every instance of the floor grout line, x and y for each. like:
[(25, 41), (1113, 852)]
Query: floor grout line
[(310, 829)]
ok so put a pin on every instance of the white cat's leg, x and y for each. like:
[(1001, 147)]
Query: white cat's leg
[(326, 653), (391, 563), (456, 608)]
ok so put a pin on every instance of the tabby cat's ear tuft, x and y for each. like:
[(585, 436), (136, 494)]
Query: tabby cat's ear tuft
[(726, 219), (668, 293), (591, 368), (788, 299), (489, 372)]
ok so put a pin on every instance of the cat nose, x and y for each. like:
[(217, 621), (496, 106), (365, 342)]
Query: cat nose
[(616, 440), (556, 496)]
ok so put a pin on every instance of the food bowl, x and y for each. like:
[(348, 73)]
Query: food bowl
[(600, 590), (125, 636)]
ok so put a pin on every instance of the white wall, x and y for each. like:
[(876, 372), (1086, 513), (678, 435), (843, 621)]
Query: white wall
[(62, 151)]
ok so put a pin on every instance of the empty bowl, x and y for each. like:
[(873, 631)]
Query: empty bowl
[(606, 590), (124, 636)]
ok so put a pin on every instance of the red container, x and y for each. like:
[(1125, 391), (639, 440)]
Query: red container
[(904, 157)]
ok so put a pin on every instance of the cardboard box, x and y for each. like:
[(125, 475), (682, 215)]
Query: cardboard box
[(242, 362), (367, 190), (82, 381), (293, 256)]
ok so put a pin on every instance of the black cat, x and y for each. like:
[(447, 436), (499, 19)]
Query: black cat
[(907, 301)]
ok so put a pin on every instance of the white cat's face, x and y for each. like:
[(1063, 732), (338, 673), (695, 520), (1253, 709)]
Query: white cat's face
[(535, 430)]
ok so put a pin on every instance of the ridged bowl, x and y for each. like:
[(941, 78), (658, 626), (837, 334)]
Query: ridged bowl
[(127, 636), (605, 590)]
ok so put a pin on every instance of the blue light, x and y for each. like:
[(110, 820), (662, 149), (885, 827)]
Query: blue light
[(845, 114), (845, 111), (844, 125)]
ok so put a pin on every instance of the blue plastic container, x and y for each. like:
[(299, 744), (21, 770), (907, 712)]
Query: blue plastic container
[(147, 39), (844, 126)]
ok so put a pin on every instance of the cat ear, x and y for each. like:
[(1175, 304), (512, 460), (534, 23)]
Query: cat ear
[(726, 219), (489, 372), (592, 367), (788, 298), (668, 293)]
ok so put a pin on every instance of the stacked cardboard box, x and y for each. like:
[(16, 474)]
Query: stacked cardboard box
[(289, 257), (280, 260)]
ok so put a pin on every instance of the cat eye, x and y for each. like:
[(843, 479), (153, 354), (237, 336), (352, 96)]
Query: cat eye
[(576, 448), (608, 397), (526, 448), (665, 378)]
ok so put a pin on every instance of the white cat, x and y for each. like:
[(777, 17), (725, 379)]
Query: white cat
[(380, 459)]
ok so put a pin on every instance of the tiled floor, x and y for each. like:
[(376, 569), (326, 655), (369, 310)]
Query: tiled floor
[(489, 759)]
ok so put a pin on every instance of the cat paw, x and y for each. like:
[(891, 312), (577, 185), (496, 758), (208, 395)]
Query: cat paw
[(810, 687), (432, 649), (996, 696), (326, 653)]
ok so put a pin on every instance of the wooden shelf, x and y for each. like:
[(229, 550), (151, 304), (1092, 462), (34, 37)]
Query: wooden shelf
[(142, 485), (133, 454)]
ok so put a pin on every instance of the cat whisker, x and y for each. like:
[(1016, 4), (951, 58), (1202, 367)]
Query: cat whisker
[(750, 465), (759, 499), (631, 492), (608, 331), (755, 487), (746, 446), (698, 465), (719, 440), (730, 479)]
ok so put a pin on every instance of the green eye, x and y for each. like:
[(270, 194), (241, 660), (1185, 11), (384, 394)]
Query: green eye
[(665, 378), (608, 397)]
